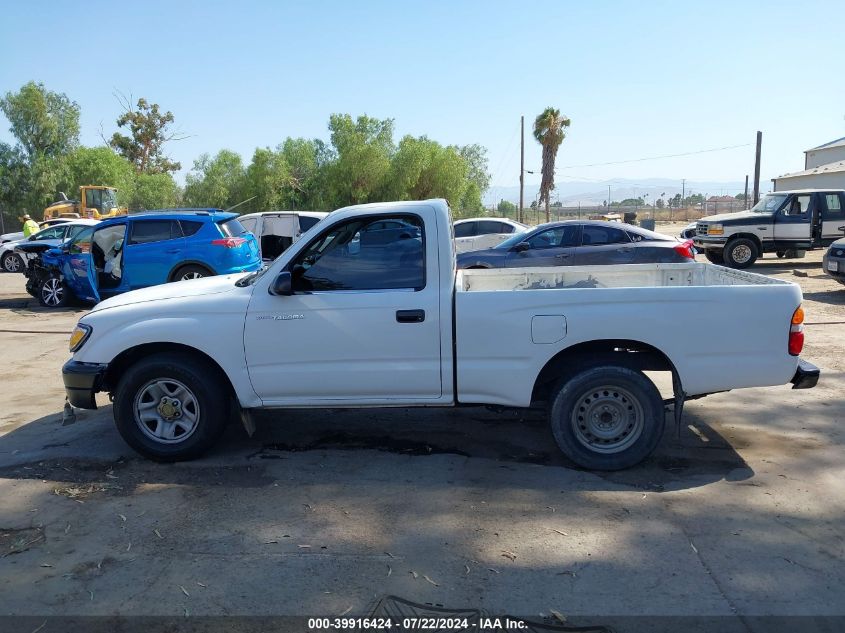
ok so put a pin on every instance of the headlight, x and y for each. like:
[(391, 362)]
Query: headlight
[(79, 335), (715, 229)]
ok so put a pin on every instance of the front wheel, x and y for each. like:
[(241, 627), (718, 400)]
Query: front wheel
[(607, 417), (740, 252), (171, 407), (53, 293), (12, 263)]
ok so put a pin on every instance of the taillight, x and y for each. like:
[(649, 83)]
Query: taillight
[(685, 249), (796, 332), (229, 242)]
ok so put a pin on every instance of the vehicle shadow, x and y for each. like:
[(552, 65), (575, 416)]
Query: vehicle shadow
[(834, 297), (85, 451)]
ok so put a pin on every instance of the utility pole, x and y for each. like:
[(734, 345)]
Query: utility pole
[(757, 168), (746, 192), (608, 198), (521, 165), (683, 189)]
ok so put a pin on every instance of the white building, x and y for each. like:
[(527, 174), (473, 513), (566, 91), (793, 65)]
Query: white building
[(824, 168)]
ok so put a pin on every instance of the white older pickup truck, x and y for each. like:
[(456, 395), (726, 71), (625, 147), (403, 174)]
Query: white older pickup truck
[(352, 316)]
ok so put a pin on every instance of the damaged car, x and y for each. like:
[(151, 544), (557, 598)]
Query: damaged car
[(142, 250)]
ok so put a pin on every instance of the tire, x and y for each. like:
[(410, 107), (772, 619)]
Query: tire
[(715, 257), (607, 417), (740, 252), (192, 407), (53, 293), (191, 271), (12, 263), (781, 254)]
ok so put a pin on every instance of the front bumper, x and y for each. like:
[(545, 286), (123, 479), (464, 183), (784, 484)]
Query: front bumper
[(704, 242), (806, 376), (82, 381)]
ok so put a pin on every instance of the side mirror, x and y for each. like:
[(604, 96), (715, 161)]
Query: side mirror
[(282, 285), (522, 247)]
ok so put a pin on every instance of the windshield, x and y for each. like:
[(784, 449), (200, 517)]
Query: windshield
[(769, 203), (513, 240)]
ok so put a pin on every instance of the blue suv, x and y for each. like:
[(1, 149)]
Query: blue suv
[(140, 250)]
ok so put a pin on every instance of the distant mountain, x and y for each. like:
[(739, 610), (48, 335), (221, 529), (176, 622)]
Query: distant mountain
[(595, 193)]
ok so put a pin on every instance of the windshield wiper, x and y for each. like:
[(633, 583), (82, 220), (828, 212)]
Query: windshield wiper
[(247, 281)]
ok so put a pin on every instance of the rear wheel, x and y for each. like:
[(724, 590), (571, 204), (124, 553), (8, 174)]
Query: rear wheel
[(740, 253), (607, 417), (715, 257), (171, 407), (53, 293), (12, 263), (191, 271)]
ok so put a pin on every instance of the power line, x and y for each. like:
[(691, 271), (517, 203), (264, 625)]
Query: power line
[(639, 160)]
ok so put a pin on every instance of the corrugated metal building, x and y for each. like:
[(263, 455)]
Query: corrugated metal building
[(824, 168)]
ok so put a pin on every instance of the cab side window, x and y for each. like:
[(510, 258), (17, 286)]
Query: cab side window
[(799, 206), (339, 259)]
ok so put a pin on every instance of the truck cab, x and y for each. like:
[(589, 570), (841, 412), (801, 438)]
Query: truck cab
[(787, 223)]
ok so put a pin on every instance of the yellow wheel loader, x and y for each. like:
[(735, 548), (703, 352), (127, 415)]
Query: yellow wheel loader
[(95, 203)]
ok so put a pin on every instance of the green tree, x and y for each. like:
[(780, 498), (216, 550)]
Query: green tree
[(306, 160), (422, 169), (549, 130), (218, 182), (363, 148), (267, 180), (98, 166), (45, 123), (696, 198), (149, 129), (506, 208), (629, 202), (660, 204), (154, 191)]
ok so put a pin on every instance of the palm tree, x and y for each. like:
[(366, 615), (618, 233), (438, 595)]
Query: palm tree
[(549, 130)]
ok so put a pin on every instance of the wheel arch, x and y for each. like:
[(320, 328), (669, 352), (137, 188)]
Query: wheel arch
[(623, 352), (127, 357), (751, 236), (171, 276)]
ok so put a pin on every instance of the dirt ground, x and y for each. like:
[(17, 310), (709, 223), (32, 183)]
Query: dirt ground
[(321, 513)]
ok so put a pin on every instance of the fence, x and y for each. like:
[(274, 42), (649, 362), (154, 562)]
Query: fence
[(686, 214)]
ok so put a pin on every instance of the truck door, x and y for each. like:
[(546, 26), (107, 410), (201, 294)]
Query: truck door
[(832, 217), (78, 267), (793, 223), (362, 322)]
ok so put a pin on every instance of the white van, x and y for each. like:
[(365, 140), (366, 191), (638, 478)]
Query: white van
[(277, 230)]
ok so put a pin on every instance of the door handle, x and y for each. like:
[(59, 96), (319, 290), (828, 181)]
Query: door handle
[(410, 316), (173, 251), (624, 249), (563, 255)]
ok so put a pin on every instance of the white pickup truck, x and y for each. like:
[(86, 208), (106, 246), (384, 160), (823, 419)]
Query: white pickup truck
[(348, 318)]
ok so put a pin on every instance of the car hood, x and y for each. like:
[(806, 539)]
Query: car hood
[(176, 290), (7, 237), (739, 216)]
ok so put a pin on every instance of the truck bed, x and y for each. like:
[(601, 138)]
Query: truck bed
[(629, 276), (720, 328)]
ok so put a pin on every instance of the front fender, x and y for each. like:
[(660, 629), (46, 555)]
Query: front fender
[(195, 324)]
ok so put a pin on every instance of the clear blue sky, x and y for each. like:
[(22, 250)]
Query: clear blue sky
[(637, 78)]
